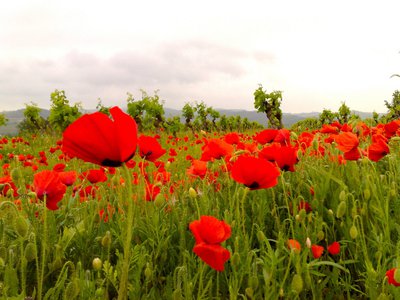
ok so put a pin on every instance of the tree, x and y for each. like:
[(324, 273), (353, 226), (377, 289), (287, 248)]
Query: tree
[(61, 112), (3, 120), (269, 103), (33, 122), (202, 113), (103, 109), (327, 116), (214, 114), (393, 107), (188, 114), (135, 110), (343, 113)]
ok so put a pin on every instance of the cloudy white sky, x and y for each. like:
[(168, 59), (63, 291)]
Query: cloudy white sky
[(319, 53)]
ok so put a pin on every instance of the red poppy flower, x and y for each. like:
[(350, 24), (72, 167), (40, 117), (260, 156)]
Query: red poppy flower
[(198, 168), (210, 230), (334, 248), (255, 173), (317, 251), (152, 191), (47, 184), (390, 276), (149, 148), (346, 141), (266, 136), (294, 245), (8, 185), (68, 177), (213, 255), (232, 138), (284, 156), (216, 149), (98, 139), (95, 176), (378, 149)]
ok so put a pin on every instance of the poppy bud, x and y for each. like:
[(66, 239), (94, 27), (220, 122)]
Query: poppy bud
[(177, 294), (159, 200), (97, 264), (192, 193), (320, 235), (341, 209), (308, 243), (72, 290), (297, 283), (367, 194), (21, 226), (261, 236), (353, 232), (383, 296), (249, 292), (148, 272), (10, 192), (106, 240), (235, 260), (253, 282), (30, 252), (99, 293), (343, 196), (2, 185)]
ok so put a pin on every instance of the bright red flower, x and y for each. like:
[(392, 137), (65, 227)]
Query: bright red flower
[(47, 184), (149, 148), (255, 173), (95, 176), (284, 156), (213, 255), (294, 245), (334, 248), (317, 251), (266, 136), (216, 149), (232, 138), (198, 168), (347, 141), (209, 233), (8, 185), (378, 149), (152, 191), (68, 177), (210, 230), (390, 276), (98, 139)]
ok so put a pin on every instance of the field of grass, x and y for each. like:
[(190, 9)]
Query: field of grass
[(255, 215)]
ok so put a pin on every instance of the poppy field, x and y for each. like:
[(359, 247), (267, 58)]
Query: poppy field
[(107, 212)]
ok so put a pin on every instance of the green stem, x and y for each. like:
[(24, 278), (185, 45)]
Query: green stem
[(44, 244), (123, 285)]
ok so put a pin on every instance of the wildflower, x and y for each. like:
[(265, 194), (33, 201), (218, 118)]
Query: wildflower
[(216, 149), (209, 233), (317, 251), (149, 148), (255, 173), (100, 140), (198, 168), (284, 156), (47, 184), (294, 245), (334, 248), (390, 276)]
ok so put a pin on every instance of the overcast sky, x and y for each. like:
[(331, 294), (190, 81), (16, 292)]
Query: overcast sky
[(319, 53)]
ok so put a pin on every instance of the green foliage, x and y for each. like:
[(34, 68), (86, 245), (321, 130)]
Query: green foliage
[(188, 114), (344, 113), (3, 120), (306, 125), (173, 125), (327, 116), (61, 112), (393, 107), (147, 112), (33, 122), (103, 109), (269, 103)]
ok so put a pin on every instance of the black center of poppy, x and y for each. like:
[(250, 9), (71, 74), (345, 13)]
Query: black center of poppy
[(111, 163), (254, 185), (115, 163)]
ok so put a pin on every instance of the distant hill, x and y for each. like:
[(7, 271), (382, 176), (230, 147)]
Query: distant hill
[(16, 116)]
